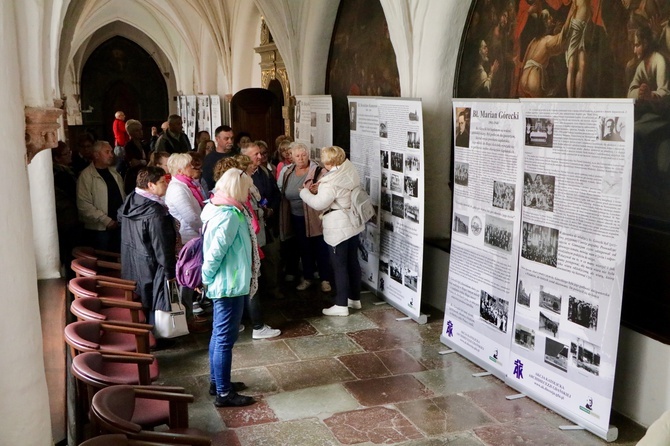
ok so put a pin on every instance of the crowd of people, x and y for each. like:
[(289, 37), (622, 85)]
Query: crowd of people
[(262, 219)]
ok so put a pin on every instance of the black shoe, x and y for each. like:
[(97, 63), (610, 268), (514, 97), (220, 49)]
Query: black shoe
[(233, 399), (237, 387)]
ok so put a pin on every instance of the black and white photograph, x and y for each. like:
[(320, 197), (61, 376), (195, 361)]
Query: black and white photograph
[(368, 184), (583, 313), (298, 107), (540, 132), (383, 266), (499, 233), (410, 278), (611, 128), (387, 224), (548, 323), (414, 116), (494, 310), (327, 117), (462, 127), (395, 270), (538, 191), (524, 336), (539, 244), (556, 354), (398, 205), (384, 158), (312, 120), (412, 212), (461, 223), (504, 195), (476, 226), (396, 161), (353, 109), (386, 202), (396, 183), (461, 171), (383, 132), (586, 356), (412, 186), (413, 140), (550, 300), (522, 295), (385, 180), (412, 163)]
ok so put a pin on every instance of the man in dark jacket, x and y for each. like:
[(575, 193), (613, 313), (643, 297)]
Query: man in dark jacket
[(148, 240), (174, 140)]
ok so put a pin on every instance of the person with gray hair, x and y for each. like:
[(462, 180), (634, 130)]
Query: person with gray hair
[(136, 155), (174, 140), (99, 195)]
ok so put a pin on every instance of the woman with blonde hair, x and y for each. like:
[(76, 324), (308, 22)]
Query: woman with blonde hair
[(184, 199), (332, 194), (230, 271)]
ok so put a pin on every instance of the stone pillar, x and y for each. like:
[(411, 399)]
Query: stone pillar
[(24, 406), (41, 134)]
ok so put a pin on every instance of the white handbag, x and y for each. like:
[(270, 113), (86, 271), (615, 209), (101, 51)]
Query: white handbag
[(171, 324)]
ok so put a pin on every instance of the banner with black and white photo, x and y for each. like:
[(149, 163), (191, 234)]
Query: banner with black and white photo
[(484, 256), (387, 148), (314, 122), (576, 190)]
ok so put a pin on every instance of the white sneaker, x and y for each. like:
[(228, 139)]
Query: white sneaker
[(265, 332), (325, 287), (303, 285), (336, 310), (196, 309), (355, 304)]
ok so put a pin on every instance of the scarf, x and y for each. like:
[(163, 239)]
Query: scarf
[(148, 195), (193, 187)]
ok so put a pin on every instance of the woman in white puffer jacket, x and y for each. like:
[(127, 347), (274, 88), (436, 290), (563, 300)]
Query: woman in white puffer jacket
[(332, 194)]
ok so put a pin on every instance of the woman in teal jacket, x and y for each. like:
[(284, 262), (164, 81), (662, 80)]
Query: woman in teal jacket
[(230, 273)]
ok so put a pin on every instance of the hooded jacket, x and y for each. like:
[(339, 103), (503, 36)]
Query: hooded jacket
[(147, 248), (226, 266), (334, 197)]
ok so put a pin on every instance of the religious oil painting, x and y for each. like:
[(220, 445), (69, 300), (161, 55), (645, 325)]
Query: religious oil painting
[(592, 49)]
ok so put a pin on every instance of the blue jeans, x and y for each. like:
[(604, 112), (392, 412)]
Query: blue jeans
[(346, 271), (225, 329)]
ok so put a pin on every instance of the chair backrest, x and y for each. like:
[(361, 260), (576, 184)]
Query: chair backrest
[(113, 407), (103, 309), (102, 286), (87, 252), (88, 336), (95, 267), (119, 440)]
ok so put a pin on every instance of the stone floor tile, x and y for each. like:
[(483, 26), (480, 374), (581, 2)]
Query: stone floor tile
[(254, 354), (193, 360), (629, 431), (322, 346), (258, 380), (399, 361), (385, 316), (312, 402), (330, 325), (456, 378), (304, 432), (388, 390), (458, 439), (429, 355), (365, 365), (523, 433), (296, 329), (383, 339), (443, 415), (258, 413), (225, 438), (492, 400), (310, 373), (376, 425)]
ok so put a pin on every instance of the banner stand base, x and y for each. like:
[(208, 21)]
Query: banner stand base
[(445, 352), (481, 374), (571, 427), (515, 397)]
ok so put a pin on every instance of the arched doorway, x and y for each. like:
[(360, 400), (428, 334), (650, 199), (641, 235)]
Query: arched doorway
[(121, 75), (258, 112)]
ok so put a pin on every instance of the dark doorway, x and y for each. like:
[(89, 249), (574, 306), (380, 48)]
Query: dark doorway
[(121, 75), (257, 111)]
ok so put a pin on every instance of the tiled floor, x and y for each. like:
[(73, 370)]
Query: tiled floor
[(362, 380)]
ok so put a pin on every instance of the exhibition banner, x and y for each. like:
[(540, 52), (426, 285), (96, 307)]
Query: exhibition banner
[(559, 296), (387, 148), (578, 159), (485, 231), (216, 121), (204, 118), (314, 123)]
